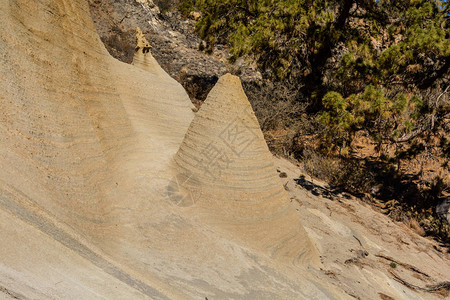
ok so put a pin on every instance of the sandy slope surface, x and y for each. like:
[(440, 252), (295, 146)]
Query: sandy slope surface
[(357, 242), (111, 187)]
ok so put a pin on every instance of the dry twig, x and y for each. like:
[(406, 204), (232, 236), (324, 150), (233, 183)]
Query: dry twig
[(405, 265), (430, 288)]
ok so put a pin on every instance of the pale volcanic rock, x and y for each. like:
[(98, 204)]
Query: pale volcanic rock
[(230, 172), (143, 58), (111, 187), (86, 154)]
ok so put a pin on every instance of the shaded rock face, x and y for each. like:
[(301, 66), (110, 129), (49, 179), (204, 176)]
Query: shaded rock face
[(175, 47), (443, 208)]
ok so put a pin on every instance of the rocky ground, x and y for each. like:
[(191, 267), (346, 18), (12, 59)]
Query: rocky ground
[(174, 45), (361, 247)]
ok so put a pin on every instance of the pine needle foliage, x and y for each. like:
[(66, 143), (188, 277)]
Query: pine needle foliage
[(362, 65)]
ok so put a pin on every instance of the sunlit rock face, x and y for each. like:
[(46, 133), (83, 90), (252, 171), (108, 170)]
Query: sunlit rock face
[(230, 176)]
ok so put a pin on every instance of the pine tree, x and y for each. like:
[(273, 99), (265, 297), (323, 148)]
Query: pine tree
[(386, 53)]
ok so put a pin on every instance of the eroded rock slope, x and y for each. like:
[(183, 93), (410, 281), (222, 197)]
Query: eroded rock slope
[(90, 198)]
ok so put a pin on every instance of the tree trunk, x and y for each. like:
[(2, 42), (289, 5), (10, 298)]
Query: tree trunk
[(314, 88)]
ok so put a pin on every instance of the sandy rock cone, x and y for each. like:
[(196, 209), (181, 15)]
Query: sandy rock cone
[(226, 171), (143, 58)]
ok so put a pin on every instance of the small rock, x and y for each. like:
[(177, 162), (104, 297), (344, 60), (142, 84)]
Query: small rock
[(385, 297), (414, 225), (362, 253), (353, 260), (195, 15), (283, 174)]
